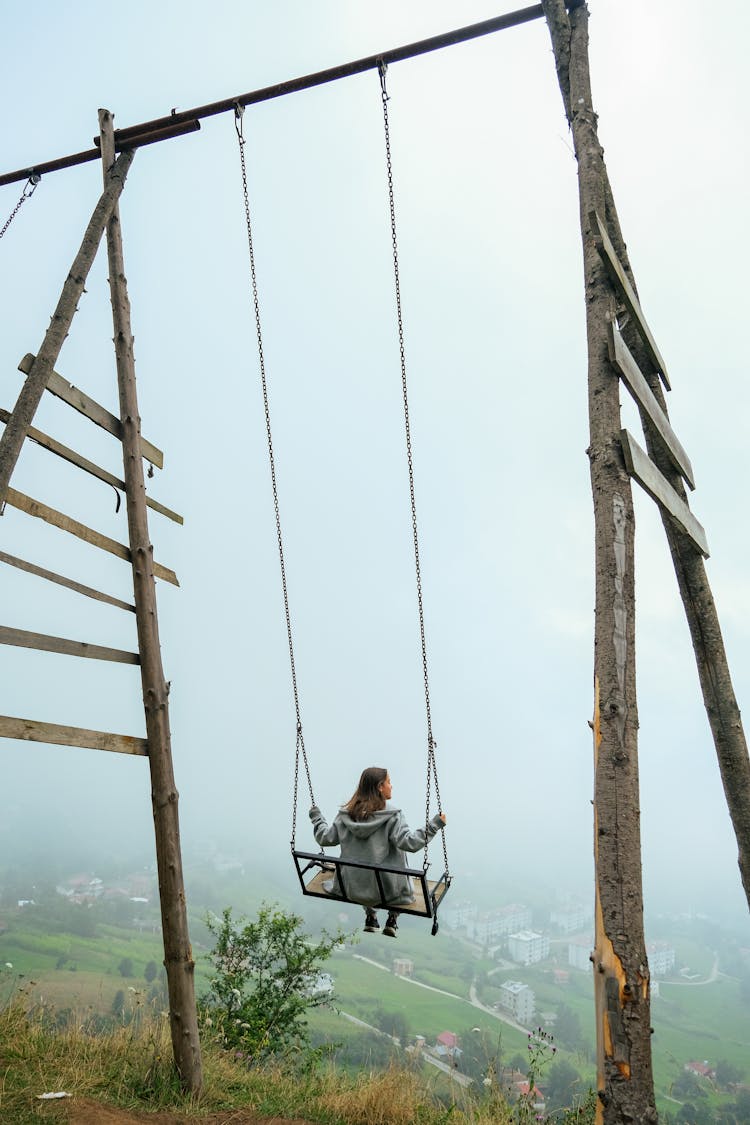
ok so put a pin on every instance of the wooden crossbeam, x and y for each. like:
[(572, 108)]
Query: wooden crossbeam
[(634, 379), (61, 580), (22, 638), (29, 730), (35, 508), (642, 468), (81, 462), (620, 279), (85, 405)]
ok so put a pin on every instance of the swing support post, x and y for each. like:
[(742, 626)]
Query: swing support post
[(178, 956)]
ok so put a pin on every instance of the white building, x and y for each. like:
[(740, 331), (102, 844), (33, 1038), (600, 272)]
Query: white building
[(579, 952), (459, 915), (571, 917), (513, 918), (527, 947), (661, 958), (497, 924), (518, 999)]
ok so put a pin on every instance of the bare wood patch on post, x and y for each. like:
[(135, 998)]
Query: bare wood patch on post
[(85, 405), (65, 523), (82, 462), (634, 379), (22, 638), (627, 292), (61, 580), (29, 730), (642, 468)]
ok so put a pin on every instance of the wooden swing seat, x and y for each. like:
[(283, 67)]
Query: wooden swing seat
[(316, 868)]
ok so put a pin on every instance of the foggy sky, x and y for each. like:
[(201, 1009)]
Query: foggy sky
[(492, 291)]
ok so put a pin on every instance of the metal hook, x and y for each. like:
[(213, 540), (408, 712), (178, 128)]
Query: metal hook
[(382, 69), (239, 112)]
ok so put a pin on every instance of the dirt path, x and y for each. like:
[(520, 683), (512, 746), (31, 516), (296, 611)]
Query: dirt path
[(86, 1112)]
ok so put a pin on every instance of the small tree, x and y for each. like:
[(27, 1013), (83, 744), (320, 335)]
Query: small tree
[(264, 982), (125, 968), (118, 1003), (149, 973)]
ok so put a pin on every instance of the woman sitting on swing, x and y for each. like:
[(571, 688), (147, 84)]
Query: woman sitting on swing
[(368, 832)]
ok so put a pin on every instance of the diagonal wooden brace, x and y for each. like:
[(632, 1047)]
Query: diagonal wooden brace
[(23, 415)]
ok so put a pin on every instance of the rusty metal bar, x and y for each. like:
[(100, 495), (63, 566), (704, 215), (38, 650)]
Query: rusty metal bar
[(165, 133), (163, 128)]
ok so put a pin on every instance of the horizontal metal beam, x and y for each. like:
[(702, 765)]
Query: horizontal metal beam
[(160, 128), (89, 154)]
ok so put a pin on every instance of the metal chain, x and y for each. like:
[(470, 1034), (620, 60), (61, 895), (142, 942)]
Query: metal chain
[(300, 746), (28, 190), (431, 744)]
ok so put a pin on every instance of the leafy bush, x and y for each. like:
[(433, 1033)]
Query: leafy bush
[(265, 981)]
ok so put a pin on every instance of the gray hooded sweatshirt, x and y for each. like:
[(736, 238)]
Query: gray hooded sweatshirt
[(381, 841)]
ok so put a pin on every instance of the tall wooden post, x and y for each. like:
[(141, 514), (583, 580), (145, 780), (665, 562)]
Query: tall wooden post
[(178, 957), (625, 1077)]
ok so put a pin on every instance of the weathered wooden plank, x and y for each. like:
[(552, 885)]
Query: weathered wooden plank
[(641, 468), (91, 409), (61, 580), (65, 523), (30, 730), (81, 462), (22, 638), (620, 278), (634, 379)]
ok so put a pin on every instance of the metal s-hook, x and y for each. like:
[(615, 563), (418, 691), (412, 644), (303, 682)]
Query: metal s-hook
[(382, 70), (239, 113)]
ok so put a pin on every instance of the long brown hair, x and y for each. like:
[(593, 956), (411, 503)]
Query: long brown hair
[(367, 798)]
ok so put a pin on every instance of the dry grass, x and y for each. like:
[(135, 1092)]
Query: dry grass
[(400, 1097), (130, 1066)]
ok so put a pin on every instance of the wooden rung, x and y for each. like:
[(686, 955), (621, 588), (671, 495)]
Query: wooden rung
[(40, 572), (634, 379), (81, 462), (65, 523), (31, 731), (85, 405), (627, 292), (642, 468), (24, 639)]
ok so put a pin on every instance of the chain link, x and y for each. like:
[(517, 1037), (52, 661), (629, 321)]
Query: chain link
[(300, 744), (28, 190), (431, 744)]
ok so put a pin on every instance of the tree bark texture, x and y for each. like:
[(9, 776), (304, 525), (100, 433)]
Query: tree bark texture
[(28, 400), (621, 976), (178, 956)]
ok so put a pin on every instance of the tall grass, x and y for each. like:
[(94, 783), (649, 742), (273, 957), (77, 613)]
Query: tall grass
[(130, 1065)]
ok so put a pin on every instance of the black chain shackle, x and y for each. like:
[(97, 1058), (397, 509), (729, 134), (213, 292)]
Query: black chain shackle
[(300, 752), (28, 190), (431, 743)]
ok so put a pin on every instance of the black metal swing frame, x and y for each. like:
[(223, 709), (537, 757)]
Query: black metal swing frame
[(428, 893)]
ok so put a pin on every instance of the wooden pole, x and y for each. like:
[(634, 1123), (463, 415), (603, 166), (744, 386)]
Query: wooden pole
[(621, 976), (28, 400), (178, 956)]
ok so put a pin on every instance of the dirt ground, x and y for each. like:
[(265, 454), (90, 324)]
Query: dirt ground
[(85, 1112)]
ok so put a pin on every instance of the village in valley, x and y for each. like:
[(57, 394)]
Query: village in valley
[(523, 969)]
